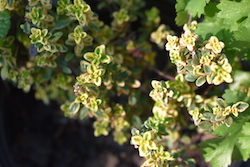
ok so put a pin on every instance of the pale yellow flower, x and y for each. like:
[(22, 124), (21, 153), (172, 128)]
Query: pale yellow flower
[(173, 42), (188, 40), (215, 45)]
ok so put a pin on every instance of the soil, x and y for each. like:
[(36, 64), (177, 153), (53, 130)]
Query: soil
[(40, 136)]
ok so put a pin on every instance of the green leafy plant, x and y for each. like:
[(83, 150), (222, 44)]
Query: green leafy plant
[(103, 69)]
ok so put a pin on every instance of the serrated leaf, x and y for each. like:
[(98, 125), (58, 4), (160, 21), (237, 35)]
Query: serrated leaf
[(234, 13), (219, 151), (182, 15), (233, 96), (181, 18), (180, 5), (241, 32), (206, 29), (196, 8), (211, 10)]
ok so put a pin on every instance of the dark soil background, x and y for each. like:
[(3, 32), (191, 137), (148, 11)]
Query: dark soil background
[(36, 135)]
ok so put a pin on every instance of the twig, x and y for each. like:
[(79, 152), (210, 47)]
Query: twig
[(160, 73), (208, 90), (190, 18)]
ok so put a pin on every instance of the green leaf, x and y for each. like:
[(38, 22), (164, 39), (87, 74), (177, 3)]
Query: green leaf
[(207, 28), (209, 107), (180, 5), (181, 18), (74, 107), (92, 88), (211, 10), (233, 96), (205, 125), (221, 103), (4, 72), (66, 70), (234, 13), (132, 100), (219, 116), (89, 56), (61, 48), (182, 15), (196, 8), (61, 23), (55, 36), (228, 121), (190, 78), (8, 41), (207, 115), (219, 151), (207, 69), (241, 106), (4, 23), (69, 56), (83, 113), (241, 32), (240, 77), (105, 59), (200, 81), (26, 27), (135, 131)]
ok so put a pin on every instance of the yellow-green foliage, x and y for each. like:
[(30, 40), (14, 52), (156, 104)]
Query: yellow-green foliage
[(100, 69)]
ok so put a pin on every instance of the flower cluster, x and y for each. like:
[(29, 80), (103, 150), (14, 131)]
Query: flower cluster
[(79, 11), (9, 5), (159, 36), (121, 16), (38, 14), (197, 61), (145, 143), (46, 41), (80, 39)]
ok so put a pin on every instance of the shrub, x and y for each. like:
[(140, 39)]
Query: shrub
[(107, 70)]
